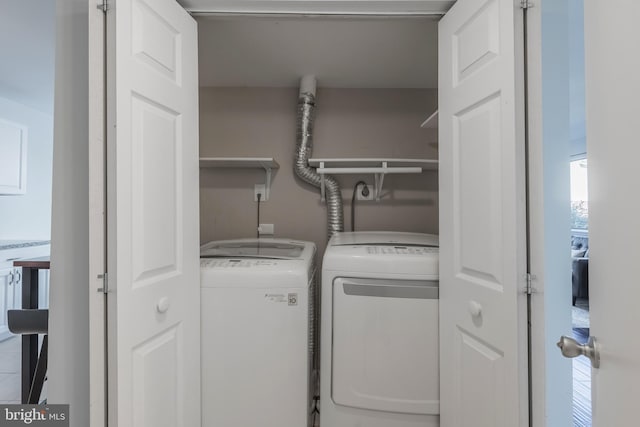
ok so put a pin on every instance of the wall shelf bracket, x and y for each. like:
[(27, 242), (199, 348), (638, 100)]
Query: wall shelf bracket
[(322, 184), (378, 181), (266, 163), (267, 185), (378, 167)]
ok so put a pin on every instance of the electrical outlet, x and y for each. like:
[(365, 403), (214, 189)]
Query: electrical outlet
[(259, 189), (364, 192), (266, 229)]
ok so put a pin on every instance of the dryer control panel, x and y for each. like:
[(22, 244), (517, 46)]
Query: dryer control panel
[(400, 250)]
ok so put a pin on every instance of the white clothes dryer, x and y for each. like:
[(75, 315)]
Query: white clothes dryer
[(379, 356), (258, 332)]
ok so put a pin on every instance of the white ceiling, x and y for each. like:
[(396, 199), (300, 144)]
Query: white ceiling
[(27, 44), (333, 7), (340, 52)]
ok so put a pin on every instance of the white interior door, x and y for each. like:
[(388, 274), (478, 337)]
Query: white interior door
[(612, 88), (152, 215), (483, 333)]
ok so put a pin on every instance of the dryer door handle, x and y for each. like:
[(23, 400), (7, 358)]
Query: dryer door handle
[(415, 289)]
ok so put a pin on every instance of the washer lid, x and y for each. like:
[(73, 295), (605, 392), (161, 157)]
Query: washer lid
[(253, 248), (383, 238)]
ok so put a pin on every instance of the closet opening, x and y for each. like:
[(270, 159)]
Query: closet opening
[(374, 81)]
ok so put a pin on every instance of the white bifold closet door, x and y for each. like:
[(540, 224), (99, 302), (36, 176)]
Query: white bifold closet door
[(152, 214), (483, 331)]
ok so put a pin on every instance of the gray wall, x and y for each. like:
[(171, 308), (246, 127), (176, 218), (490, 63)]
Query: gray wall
[(28, 216), (68, 373), (261, 122)]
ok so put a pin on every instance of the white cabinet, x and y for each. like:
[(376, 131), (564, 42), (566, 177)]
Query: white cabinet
[(6, 299), (13, 152), (10, 296), (11, 279)]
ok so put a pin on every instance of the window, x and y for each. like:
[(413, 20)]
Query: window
[(579, 195)]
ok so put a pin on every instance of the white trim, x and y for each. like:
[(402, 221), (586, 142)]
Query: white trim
[(97, 212), (536, 218)]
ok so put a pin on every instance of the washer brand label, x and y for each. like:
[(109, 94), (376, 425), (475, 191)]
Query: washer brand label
[(293, 299), (275, 297)]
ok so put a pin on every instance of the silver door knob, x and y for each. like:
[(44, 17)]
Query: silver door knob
[(572, 348)]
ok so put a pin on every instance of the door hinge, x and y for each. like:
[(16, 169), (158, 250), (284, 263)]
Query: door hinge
[(529, 289), (525, 4), (103, 6), (105, 283)]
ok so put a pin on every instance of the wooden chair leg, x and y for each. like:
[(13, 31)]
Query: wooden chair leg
[(41, 372)]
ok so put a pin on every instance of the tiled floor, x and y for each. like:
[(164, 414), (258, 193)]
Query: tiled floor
[(10, 370)]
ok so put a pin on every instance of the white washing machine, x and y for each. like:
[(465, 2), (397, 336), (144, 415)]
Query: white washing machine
[(379, 346), (257, 299)]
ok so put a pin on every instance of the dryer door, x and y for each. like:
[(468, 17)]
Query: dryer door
[(385, 345)]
